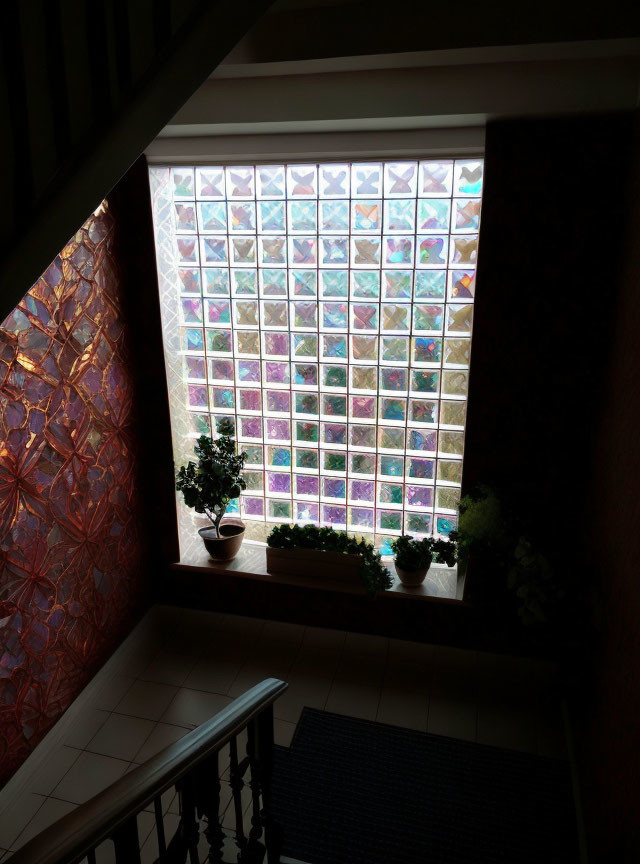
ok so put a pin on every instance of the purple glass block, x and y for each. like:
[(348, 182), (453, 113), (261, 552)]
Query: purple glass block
[(362, 490), (250, 400), (278, 430), (222, 397), (277, 373), (363, 406), (334, 433), (253, 506), (276, 344), (423, 412), (421, 468), (307, 484), (248, 370), (251, 427), (362, 517), (419, 440), (307, 512), (222, 370), (334, 487), (393, 379), (198, 396), (279, 482), (195, 367), (279, 400), (334, 515), (419, 496)]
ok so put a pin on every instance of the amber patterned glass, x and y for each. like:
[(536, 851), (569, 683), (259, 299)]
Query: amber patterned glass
[(68, 531), (327, 309)]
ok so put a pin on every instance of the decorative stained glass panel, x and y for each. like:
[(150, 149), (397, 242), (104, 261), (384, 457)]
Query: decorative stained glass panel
[(327, 309)]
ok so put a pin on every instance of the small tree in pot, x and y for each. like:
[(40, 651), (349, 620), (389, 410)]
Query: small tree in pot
[(413, 557), (210, 485)]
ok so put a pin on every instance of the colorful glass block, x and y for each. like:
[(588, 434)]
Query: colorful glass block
[(393, 409), (451, 442), (396, 284), (247, 342), (271, 217), (307, 431), (364, 347), (453, 413), (210, 182), (419, 439), (430, 285), (419, 496), (390, 520), (462, 284), (244, 282), (398, 251), (334, 376), (222, 398), (365, 251), (436, 178), (464, 250), (197, 396), (307, 512), (188, 249), (334, 283), (400, 179), (334, 461), (466, 214), (362, 463), (182, 182), (392, 378), (361, 517), (254, 480), (334, 346), (252, 506), (460, 318), (334, 251), (304, 345), (363, 407), (366, 216), (251, 427), (243, 250), (215, 250), (305, 314), (419, 523), (432, 251), (334, 487), (390, 493), (216, 281), (278, 430), (434, 214), (304, 283), (240, 182), (423, 411), (219, 341), (277, 373), (306, 374), (191, 310), (334, 216), (333, 515), (302, 250), (307, 484), (190, 279), (307, 459), (242, 217), (247, 370), (273, 250), (364, 378), (275, 314), (446, 524), (185, 217), (306, 403), (396, 316), (365, 316), (273, 283), (391, 466), (426, 349), (245, 312), (302, 180), (279, 510), (218, 312), (303, 216), (334, 433), (228, 420), (191, 339), (336, 406), (365, 285), (254, 454), (271, 181), (195, 367), (468, 177), (399, 215), (447, 498), (278, 401), (366, 179), (250, 400), (278, 482), (450, 471), (395, 348), (420, 469), (455, 382), (334, 180), (361, 490), (426, 317), (390, 438), (276, 344), (457, 351), (362, 436), (424, 381)]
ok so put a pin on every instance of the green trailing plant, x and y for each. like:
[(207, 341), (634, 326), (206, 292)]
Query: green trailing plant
[(375, 575), (413, 554), (216, 479)]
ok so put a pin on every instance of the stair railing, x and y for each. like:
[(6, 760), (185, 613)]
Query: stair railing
[(192, 766)]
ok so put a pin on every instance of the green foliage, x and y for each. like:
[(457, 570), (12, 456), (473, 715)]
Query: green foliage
[(216, 479), (375, 575), (535, 583), (413, 554), (481, 522)]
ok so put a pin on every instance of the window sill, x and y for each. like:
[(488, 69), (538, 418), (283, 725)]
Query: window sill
[(441, 584)]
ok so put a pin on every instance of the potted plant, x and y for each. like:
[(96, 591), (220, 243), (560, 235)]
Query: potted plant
[(210, 485), (413, 557), (307, 550)]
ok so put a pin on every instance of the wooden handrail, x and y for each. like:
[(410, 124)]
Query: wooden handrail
[(75, 835)]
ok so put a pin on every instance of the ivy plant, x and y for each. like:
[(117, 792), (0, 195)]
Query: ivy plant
[(216, 479), (375, 575), (413, 554)]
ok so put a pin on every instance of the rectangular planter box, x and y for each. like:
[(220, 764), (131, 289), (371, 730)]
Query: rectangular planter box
[(313, 563)]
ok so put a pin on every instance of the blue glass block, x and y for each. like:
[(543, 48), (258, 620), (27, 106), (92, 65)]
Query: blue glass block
[(427, 349), (233, 506), (366, 284), (430, 285), (392, 466), (213, 215), (334, 216), (334, 346), (434, 214), (335, 283), (392, 409), (334, 315), (446, 524), (419, 440), (192, 340)]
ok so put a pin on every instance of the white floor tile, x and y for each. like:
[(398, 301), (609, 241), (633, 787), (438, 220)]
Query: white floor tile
[(53, 769), (50, 812), (163, 735), (354, 700), (452, 716), (193, 707), (121, 736), (90, 774), (17, 816), (146, 699), (403, 708)]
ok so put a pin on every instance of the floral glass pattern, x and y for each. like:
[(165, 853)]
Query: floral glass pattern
[(71, 551), (349, 290)]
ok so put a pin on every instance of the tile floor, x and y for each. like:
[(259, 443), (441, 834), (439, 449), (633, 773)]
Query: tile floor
[(179, 667)]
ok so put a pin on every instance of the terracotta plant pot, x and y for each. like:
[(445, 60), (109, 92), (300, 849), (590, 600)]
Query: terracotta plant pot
[(412, 577), (227, 546)]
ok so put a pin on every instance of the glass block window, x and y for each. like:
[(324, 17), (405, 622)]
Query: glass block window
[(327, 309)]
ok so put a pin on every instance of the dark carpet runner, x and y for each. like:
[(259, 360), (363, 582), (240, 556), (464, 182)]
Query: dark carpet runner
[(355, 792)]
